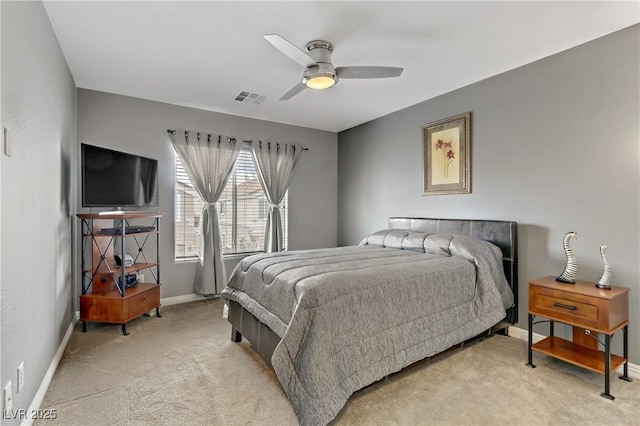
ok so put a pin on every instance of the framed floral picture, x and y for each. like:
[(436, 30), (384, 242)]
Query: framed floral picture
[(446, 148)]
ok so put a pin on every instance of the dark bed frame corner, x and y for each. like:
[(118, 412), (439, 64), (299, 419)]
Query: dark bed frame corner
[(259, 335), (236, 336)]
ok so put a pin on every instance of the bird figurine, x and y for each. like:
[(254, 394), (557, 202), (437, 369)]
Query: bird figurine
[(605, 280), (571, 270)]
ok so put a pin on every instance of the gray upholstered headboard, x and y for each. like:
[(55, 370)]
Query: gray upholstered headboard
[(503, 234)]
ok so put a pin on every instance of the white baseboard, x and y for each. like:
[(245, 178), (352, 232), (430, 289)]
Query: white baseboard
[(518, 333), (36, 403), (176, 300), (524, 334)]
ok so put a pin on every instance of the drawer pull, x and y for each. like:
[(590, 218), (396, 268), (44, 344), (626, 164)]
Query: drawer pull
[(142, 299), (562, 305)]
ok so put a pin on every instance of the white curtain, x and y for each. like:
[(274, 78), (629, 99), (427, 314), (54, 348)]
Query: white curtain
[(208, 160), (274, 165)]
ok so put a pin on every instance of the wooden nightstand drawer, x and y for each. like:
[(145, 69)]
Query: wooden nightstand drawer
[(580, 304), (566, 306)]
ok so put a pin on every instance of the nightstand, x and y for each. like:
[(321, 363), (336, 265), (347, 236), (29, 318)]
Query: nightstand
[(591, 311)]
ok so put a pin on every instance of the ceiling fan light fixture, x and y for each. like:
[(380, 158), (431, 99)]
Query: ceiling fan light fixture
[(320, 82), (320, 76), (319, 72)]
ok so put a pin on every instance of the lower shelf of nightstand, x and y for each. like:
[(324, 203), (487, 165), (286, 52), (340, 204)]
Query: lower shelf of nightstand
[(584, 357)]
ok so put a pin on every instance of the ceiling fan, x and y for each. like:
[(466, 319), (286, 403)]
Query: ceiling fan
[(319, 72)]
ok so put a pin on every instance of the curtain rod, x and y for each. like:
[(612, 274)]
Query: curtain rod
[(173, 132)]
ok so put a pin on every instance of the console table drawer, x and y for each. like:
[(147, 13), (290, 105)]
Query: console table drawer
[(562, 305)]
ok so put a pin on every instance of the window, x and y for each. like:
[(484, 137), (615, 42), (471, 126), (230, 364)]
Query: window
[(263, 209), (242, 212)]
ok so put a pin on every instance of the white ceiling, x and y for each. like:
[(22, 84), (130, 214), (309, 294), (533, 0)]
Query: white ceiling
[(202, 54)]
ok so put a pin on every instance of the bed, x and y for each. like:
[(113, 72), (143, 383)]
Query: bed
[(332, 321)]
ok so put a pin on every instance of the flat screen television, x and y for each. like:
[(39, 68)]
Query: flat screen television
[(118, 179)]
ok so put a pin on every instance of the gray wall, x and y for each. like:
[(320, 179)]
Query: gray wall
[(554, 147), (38, 194), (139, 126)]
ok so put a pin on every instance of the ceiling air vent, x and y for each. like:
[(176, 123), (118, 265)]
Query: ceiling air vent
[(252, 98)]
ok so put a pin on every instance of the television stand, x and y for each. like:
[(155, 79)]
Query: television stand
[(105, 295)]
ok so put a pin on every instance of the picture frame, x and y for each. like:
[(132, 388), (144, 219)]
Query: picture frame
[(446, 146)]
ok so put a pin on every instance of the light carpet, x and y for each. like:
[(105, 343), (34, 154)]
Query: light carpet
[(182, 369)]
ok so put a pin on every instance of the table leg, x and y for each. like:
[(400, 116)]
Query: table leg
[(551, 328), (607, 366), (625, 339), (530, 341)]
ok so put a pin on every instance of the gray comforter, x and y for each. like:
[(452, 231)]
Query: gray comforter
[(350, 316)]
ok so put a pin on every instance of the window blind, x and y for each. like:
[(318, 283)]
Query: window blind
[(242, 212)]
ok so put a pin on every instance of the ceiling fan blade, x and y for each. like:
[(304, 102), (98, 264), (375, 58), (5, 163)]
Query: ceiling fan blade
[(289, 49), (368, 72), (293, 91)]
